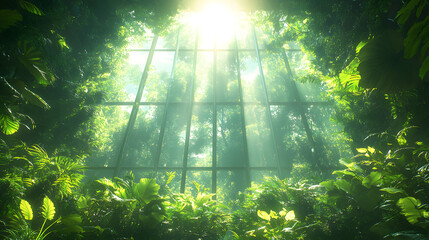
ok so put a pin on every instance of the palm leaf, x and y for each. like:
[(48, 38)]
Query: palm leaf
[(9, 18), (26, 210), (30, 7), (48, 209)]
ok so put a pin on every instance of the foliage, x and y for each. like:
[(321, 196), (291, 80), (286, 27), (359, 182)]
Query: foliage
[(190, 217)]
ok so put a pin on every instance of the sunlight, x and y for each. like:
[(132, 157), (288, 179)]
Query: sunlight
[(217, 19)]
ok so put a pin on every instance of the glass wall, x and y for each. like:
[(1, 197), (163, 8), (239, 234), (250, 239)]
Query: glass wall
[(218, 109)]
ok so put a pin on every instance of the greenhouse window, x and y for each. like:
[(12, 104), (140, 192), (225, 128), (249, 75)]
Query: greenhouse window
[(218, 106)]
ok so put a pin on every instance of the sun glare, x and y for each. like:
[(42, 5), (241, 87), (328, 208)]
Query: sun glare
[(215, 18)]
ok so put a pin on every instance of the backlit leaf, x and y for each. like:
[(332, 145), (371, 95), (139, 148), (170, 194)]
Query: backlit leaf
[(409, 208), (146, 190), (264, 215), (392, 190), (290, 215), (372, 180), (48, 209), (8, 125), (34, 99), (30, 7), (26, 210)]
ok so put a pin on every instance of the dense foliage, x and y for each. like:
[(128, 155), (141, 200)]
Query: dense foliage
[(57, 61)]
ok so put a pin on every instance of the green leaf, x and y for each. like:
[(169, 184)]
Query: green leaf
[(361, 150), (329, 185), (71, 223), (392, 190), (30, 7), (360, 46), (409, 208), (414, 37), (48, 209), (420, 8), (8, 125), (38, 152), (146, 190), (344, 185), (373, 179), (290, 215), (9, 18), (26, 210), (63, 43), (424, 68), (31, 60), (34, 99), (264, 215), (405, 12)]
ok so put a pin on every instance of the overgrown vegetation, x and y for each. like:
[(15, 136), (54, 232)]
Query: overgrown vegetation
[(57, 61)]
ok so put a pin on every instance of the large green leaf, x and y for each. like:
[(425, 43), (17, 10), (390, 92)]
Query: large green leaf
[(383, 66), (424, 68), (48, 209), (344, 185), (372, 180), (30, 7), (34, 99), (146, 190), (8, 125), (409, 208), (31, 59), (26, 210), (9, 18), (415, 36), (405, 12), (264, 215)]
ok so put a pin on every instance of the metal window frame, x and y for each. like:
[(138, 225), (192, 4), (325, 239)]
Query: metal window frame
[(214, 168)]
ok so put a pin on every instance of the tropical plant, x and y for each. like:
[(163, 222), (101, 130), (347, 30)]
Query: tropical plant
[(21, 228), (198, 217)]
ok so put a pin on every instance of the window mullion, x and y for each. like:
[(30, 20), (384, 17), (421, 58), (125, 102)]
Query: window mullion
[(136, 105)]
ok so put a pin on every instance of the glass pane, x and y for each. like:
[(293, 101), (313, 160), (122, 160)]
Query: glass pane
[(250, 78), (261, 148), (93, 174), (329, 137), (206, 38), (200, 145), (279, 85), (229, 184), (175, 134), (226, 78), (187, 37), (264, 37), (244, 35), (174, 186), (202, 178), (109, 137), (180, 88), (158, 77), (230, 142), (142, 142), (258, 176), (127, 81), (290, 135), (225, 39), (204, 78), (309, 92)]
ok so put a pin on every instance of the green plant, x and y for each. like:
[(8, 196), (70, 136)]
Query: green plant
[(198, 217), (22, 229)]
